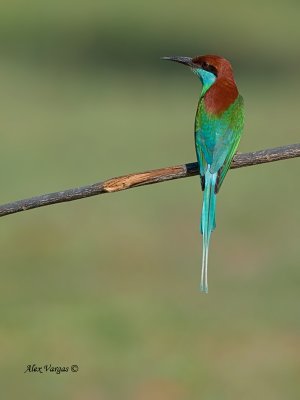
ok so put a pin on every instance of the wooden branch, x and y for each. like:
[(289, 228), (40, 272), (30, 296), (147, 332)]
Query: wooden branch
[(146, 178)]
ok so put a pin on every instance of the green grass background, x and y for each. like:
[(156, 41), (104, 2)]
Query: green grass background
[(111, 283)]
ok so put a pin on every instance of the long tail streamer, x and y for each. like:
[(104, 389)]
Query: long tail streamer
[(208, 222)]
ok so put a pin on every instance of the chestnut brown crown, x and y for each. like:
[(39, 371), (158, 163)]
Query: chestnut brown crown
[(219, 66)]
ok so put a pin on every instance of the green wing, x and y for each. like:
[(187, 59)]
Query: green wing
[(236, 125)]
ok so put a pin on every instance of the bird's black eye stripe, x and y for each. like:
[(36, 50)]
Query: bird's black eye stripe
[(209, 68)]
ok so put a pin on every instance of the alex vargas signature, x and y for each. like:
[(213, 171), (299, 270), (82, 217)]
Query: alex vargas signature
[(40, 369)]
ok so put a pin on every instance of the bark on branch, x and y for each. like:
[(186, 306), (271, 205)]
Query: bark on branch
[(146, 178)]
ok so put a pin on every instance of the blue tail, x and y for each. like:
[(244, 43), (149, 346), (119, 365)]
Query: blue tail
[(208, 222)]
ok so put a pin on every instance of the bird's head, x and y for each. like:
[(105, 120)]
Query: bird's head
[(208, 68)]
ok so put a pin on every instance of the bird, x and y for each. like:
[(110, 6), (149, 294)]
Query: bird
[(218, 127)]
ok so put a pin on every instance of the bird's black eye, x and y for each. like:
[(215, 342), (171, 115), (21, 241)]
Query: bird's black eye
[(209, 68)]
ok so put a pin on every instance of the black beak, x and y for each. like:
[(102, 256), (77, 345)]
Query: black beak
[(182, 60)]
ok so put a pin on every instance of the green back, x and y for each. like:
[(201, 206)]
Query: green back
[(217, 138)]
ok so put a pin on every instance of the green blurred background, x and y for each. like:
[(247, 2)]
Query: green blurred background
[(111, 283)]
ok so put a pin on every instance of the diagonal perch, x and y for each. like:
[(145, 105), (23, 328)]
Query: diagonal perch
[(145, 178)]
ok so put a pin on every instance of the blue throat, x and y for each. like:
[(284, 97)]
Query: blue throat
[(207, 78)]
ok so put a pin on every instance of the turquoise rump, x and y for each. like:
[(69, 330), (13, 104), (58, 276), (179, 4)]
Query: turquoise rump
[(219, 124)]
